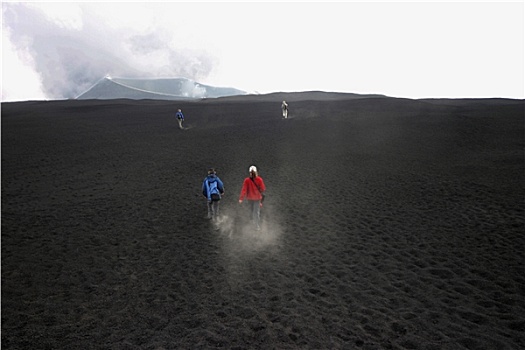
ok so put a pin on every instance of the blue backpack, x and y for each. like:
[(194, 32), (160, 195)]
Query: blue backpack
[(213, 191)]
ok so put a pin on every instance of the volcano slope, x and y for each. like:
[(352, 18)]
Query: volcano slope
[(388, 224)]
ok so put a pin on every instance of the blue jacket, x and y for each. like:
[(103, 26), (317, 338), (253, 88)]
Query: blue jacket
[(209, 179), (179, 115)]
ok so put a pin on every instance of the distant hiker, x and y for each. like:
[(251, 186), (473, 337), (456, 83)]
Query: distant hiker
[(180, 118), (253, 190), (213, 190), (284, 107)]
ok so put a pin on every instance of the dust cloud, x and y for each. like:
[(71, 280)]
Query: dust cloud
[(239, 234)]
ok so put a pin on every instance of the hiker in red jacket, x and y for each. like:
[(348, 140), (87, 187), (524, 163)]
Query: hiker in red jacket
[(253, 190)]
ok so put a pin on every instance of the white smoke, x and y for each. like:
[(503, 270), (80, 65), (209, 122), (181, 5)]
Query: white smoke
[(20, 65), (70, 48), (191, 89)]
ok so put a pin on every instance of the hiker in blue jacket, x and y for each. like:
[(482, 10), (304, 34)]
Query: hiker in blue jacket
[(180, 118), (213, 190)]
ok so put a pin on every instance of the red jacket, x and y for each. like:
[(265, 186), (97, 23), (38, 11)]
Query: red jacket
[(250, 190)]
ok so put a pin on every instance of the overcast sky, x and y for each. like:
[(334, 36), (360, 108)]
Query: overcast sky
[(410, 49)]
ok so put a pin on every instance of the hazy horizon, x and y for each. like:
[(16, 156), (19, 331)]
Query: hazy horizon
[(412, 50)]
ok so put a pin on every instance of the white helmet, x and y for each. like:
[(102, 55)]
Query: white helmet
[(252, 168)]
